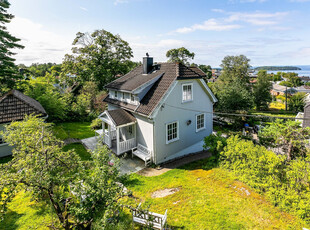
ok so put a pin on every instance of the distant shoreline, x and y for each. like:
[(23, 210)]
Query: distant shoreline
[(277, 68)]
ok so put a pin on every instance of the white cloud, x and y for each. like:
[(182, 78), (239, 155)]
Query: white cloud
[(233, 20), (40, 44), (209, 25), (257, 18), (83, 8)]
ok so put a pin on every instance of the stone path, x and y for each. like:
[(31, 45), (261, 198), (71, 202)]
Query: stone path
[(128, 165)]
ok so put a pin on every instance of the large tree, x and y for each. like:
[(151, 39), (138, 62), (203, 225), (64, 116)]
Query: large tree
[(8, 70), (181, 55), (80, 193), (233, 88), (261, 90), (99, 57)]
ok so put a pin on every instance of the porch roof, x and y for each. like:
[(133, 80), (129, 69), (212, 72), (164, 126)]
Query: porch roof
[(120, 117)]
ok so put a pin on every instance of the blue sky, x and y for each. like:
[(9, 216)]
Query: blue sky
[(269, 32)]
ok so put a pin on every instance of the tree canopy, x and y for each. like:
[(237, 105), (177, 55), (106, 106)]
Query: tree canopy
[(287, 135), (8, 70), (181, 55), (261, 91), (99, 56), (232, 87), (80, 193)]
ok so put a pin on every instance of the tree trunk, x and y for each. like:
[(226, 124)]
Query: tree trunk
[(289, 151), (58, 211)]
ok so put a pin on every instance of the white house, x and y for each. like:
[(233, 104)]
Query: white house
[(164, 109), (14, 105)]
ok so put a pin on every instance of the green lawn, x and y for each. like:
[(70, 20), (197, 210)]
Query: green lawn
[(24, 214), (79, 149), (79, 130), (209, 199)]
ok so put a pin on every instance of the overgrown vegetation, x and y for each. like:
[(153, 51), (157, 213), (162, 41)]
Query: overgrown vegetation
[(80, 192), (285, 184), (208, 198)]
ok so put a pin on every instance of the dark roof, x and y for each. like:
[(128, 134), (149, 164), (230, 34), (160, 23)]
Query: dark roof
[(132, 80), (14, 105), (198, 71), (121, 117), (169, 71)]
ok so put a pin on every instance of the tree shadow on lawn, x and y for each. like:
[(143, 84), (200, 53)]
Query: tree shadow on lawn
[(206, 164), (9, 221)]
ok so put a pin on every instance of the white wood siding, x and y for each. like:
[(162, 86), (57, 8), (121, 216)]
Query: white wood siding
[(187, 133)]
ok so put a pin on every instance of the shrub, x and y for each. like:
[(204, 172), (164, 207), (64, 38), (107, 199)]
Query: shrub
[(286, 184), (96, 124), (215, 143)]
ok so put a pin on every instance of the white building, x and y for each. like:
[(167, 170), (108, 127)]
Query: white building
[(163, 109)]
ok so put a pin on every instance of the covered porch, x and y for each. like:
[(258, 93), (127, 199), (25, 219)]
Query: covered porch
[(118, 131)]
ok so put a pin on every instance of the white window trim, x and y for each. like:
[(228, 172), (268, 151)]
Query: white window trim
[(204, 122), (175, 139), (191, 84)]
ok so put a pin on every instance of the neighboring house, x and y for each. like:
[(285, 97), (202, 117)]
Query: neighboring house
[(305, 79), (306, 121), (280, 89), (166, 108), (14, 105)]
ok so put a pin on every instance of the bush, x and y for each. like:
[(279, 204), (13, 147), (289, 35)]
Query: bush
[(96, 124), (286, 184), (215, 143)]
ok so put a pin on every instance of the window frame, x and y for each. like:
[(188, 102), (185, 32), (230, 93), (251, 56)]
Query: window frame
[(177, 132), (204, 122), (192, 92), (115, 94)]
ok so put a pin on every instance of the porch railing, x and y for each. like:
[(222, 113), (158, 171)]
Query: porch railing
[(127, 145)]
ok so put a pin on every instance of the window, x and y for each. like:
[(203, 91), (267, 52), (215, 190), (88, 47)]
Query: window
[(132, 97), (200, 122), (187, 92), (172, 132), (115, 94), (123, 96), (130, 129)]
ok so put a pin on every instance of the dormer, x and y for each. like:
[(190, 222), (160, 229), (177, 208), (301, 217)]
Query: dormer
[(132, 87)]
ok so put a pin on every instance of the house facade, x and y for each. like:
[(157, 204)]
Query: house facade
[(166, 108), (14, 106)]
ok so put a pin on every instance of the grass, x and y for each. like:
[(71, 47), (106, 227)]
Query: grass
[(25, 213), (79, 149), (208, 199), (78, 130), (278, 114)]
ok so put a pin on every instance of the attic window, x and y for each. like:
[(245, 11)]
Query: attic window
[(187, 92)]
